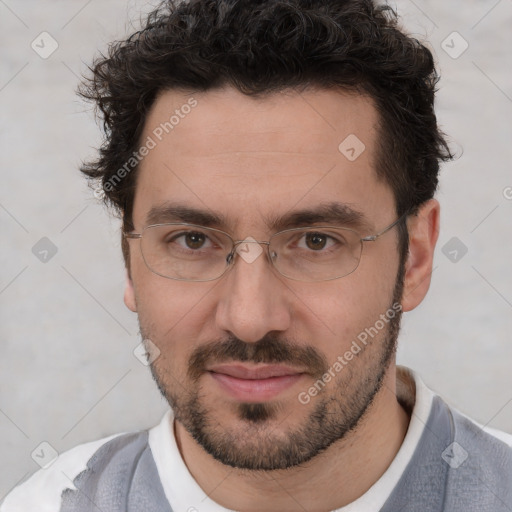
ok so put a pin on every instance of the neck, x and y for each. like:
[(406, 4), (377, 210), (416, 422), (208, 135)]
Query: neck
[(355, 463)]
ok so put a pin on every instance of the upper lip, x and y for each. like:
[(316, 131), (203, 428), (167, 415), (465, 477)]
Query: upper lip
[(260, 372)]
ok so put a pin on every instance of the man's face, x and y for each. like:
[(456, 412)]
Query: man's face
[(239, 355)]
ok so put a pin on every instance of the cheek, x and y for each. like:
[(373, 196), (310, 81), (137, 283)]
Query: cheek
[(161, 301), (172, 314), (341, 309)]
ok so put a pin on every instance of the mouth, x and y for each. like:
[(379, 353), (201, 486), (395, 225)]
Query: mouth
[(253, 384)]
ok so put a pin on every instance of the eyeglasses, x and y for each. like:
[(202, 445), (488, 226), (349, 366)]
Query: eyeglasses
[(188, 252)]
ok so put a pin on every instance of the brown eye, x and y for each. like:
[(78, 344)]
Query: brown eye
[(316, 241), (195, 240), (192, 240)]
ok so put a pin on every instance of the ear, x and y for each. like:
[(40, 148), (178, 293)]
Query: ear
[(423, 233), (129, 293)]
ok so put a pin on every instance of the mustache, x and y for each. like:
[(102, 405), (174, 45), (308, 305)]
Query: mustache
[(268, 350)]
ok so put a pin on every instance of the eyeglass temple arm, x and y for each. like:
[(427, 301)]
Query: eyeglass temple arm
[(132, 235), (372, 238)]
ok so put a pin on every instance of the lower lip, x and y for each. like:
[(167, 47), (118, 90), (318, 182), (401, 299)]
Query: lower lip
[(257, 390)]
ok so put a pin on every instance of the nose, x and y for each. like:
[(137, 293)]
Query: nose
[(254, 300)]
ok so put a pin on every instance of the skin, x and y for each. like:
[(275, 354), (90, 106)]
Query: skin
[(246, 158)]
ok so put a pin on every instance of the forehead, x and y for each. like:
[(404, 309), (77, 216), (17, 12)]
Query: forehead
[(247, 159)]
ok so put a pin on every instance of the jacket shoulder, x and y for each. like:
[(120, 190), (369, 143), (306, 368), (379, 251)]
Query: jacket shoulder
[(42, 491), (482, 467)]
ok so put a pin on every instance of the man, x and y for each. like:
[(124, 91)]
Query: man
[(275, 164)]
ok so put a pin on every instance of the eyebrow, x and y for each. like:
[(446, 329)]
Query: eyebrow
[(332, 213)]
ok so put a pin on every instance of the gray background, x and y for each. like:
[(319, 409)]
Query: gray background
[(67, 371)]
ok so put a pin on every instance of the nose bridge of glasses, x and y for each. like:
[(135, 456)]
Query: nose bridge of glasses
[(246, 254), (249, 240)]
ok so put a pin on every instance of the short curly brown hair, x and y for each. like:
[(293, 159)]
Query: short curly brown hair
[(265, 46)]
